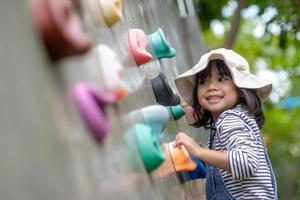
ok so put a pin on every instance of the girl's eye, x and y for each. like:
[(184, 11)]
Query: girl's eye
[(223, 78), (202, 82)]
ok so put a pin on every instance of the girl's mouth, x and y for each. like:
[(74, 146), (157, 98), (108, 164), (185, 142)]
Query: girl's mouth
[(214, 99)]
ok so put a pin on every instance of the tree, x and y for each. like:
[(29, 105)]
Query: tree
[(288, 16)]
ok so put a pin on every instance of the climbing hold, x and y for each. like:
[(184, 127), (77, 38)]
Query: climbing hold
[(197, 173), (60, 28), (138, 44), (104, 12), (177, 111), (91, 104), (148, 147), (145, 48), (111, 69), (163, 92), (181, 158), (161, 46), (157, 117)]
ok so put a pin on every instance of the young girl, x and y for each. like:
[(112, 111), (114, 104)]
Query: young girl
[(226, 98)]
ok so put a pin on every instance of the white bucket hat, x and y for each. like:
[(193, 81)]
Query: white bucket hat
[(238, 67)]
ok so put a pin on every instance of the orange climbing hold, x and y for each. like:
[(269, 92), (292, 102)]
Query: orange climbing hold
[(181, 158)]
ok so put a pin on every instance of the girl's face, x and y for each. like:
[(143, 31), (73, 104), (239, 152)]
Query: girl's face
[(216, 92)]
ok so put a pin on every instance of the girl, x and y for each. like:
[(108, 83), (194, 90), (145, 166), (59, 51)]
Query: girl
[(226, 98)]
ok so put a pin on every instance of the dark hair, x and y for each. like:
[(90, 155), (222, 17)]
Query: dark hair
[(248, 98)]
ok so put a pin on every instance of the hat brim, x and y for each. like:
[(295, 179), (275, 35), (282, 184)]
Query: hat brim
[(262, 87)]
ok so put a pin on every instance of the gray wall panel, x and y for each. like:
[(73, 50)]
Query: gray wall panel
[(46, 151)]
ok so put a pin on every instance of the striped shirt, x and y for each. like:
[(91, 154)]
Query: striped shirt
[(237, 133)]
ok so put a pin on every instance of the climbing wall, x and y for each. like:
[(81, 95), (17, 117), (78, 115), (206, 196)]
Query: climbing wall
[(88, 102)]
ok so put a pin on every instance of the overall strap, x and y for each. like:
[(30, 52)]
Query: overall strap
[(211, 137)]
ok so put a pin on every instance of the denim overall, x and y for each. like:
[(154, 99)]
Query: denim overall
[(215, 187)]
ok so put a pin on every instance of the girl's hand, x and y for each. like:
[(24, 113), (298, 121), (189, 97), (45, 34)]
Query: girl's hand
[(189, 143), (215, 158)]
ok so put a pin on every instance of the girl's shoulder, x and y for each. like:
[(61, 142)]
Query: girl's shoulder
[(236, 114), (233, 120)]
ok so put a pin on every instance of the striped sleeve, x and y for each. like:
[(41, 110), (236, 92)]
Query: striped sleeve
[(241, 145)]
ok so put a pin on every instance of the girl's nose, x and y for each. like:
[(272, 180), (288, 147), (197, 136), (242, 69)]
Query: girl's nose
[(212, 86)]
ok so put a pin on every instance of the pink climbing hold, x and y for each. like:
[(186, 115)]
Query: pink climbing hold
[(91, 104)]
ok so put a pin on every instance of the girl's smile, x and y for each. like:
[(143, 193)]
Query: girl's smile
[(212, 99), (217, 93)]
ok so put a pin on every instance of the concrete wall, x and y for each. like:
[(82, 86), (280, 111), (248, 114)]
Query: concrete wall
[(46, 151)]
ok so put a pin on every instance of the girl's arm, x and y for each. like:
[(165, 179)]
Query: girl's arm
[(215, 158)]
